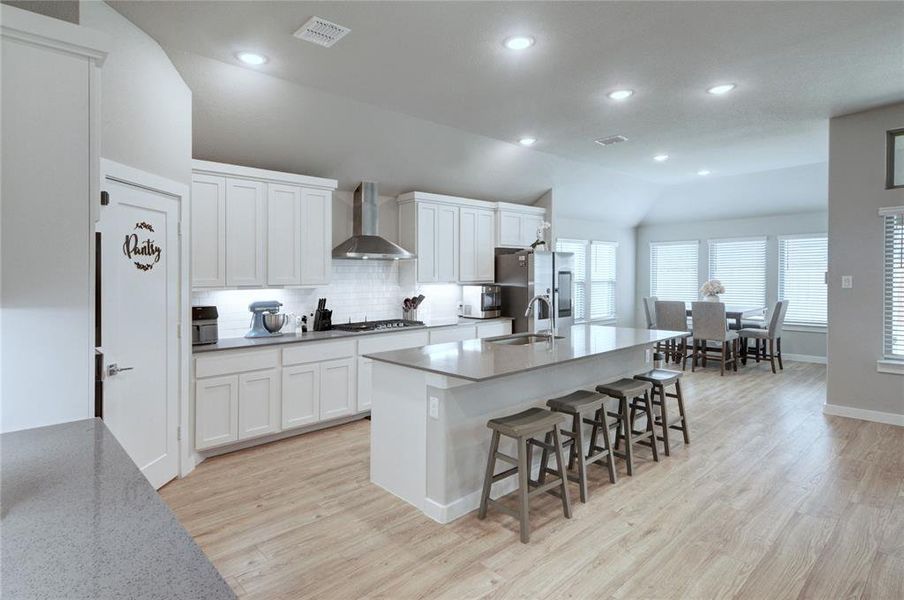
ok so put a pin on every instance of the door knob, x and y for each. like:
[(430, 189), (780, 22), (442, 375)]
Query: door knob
[(114, 368)]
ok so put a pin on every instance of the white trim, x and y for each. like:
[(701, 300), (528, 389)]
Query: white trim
[(32, 28), (891, 211), (864, 415), (803, 236), (891, 366), (214, 168), (749, 238), (674, 243), (806, 358), (805, 328), (606, 242)]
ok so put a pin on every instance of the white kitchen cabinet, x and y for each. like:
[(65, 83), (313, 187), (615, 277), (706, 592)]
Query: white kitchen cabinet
[(337, 388), (509, 229), (285, 225), (365, 394), (208, 231), (245, 232), (300, 395), (436, 242), (493, 329), (216, 411), (529, 226), (454, 333), (258, 403), (317, 240), (516, 227), (476, 243)]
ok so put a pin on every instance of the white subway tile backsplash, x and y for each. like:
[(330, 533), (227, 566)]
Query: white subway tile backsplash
[(359, 290)]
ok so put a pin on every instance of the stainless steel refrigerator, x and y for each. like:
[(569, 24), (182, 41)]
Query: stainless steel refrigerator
[(524, 274)]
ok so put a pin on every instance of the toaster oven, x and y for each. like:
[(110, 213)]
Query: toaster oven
[(481, 301)]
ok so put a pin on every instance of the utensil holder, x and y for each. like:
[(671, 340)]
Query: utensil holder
[(409, 315)]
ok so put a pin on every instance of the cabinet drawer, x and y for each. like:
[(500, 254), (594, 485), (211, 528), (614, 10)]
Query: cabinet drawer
[(385, 342), (493, 329), (228, 363), (453, 334), (318, 351)]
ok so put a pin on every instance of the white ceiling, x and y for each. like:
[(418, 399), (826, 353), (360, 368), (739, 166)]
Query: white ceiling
[(796, 64)]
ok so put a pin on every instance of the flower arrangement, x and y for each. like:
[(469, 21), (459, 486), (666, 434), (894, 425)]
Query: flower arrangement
[(712, 288)]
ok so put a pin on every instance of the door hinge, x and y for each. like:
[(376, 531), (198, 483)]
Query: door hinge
[(179, 433), (104, 198)]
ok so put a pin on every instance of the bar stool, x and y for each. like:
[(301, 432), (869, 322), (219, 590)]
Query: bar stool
[(632, 395), (661, 379), (577, 404), (522, 427)]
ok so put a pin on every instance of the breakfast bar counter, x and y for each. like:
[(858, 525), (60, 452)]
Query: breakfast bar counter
[(429, 439)]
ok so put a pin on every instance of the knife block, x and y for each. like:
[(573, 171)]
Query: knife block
[(323, 319)]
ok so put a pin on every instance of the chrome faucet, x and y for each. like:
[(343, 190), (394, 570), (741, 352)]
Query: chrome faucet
[(551, 332)]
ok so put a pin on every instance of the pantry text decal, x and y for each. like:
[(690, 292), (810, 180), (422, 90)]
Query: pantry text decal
[(144, 254)]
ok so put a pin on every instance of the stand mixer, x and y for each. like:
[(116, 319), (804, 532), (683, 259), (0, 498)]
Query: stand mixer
[(266, 320)]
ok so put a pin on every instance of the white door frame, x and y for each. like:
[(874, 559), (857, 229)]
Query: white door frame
[(124, 174)]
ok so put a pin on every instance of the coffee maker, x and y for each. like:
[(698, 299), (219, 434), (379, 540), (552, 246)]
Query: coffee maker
[(266, 320)]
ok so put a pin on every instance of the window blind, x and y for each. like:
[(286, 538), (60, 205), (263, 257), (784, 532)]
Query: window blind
[(602, 280), (894, 285), (673, 270), (802, 264), (579, 249), (741, 267)]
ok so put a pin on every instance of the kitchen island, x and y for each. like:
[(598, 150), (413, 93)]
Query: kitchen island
[(429, 439)]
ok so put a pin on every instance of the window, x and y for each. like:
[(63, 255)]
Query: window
[(894, 283), (802, 264), (741, 267), (602, 280), (894, 171), (579, 249), (673, 270)]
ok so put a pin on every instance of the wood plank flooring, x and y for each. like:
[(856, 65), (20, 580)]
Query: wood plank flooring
[(772, 499)]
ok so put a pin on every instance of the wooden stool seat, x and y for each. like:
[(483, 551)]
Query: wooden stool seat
[(522, 427), (633, 396), (661, 379), (624, 388), (577, 402)]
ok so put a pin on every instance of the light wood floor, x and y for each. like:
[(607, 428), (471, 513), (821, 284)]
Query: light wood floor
[(772, 499)]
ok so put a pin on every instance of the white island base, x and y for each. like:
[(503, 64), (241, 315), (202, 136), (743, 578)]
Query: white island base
[(429, 439)]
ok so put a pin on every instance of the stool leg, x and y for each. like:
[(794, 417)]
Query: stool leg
[(778, 346), (544, 462), (574, 451), (560, 460), (664, 418), (523, 489), (601, 416), (772, 354), (687, 437), (629, 441), (581, 458), (654, 443), (488, 479), (722, 359)]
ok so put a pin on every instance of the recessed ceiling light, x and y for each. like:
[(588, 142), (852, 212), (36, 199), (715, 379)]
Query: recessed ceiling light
[(527, 141), (704, 172), (250, 58), (724, 88), (519, 42), (620, 94), (661, 157)]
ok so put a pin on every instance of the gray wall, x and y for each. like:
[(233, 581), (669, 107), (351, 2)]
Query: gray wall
[(146, 106), (856, 192), (625, 258), (807, 343), (65, 10)]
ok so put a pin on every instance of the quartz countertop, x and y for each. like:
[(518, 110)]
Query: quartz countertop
[(479, 360), (332, 334), (81, 521)]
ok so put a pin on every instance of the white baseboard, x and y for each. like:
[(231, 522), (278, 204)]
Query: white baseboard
[(863, 414), (807, 358), (446, 513)]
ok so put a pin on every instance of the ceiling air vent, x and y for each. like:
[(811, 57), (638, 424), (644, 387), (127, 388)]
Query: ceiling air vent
[(612, 139), (321, 32)]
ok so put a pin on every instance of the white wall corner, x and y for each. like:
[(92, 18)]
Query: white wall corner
[(875, 416)]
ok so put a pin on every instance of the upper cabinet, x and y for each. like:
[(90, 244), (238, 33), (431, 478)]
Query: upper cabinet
[(455, 238), (257, 228)]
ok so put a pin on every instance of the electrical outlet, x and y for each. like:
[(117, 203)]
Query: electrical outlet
[(434, 407), (847, 281)]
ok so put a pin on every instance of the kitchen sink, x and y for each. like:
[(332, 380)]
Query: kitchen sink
[(522, 339)]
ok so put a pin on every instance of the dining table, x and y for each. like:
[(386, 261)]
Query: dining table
[(737, 313)]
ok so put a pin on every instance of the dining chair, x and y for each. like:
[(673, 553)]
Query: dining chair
[(710, 326), (672, 316), (649, 311), (771, 335)]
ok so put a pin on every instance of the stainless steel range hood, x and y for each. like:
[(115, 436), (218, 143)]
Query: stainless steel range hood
[(365, 243)]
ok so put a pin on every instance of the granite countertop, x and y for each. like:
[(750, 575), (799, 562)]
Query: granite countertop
[(333, 334), (479, 360), (80, 521)]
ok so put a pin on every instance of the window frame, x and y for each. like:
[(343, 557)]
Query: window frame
[(890, 137), (696, 243), (797, 325), (891, 362), (710, 242)]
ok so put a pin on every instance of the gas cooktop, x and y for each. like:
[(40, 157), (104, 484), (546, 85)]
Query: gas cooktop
[(378, 325)]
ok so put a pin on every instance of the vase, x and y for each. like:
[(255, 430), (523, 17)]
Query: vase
[(711, 298)]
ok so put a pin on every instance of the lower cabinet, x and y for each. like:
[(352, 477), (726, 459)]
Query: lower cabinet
[(300, 395), (258, 403), (337, 388), (365, 372), (216, 411)]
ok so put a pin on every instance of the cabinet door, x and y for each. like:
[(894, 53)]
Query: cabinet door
[(300, 395), (485, 245), (467, 244), (529, 225), (317, 241), (245, 230), (208, 231), (453, 334), (216, 411), (258, 403), (493, 329), (426, 243), (446, 251), (365, 393), (284, 232), (337, 388), (509, 229)]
